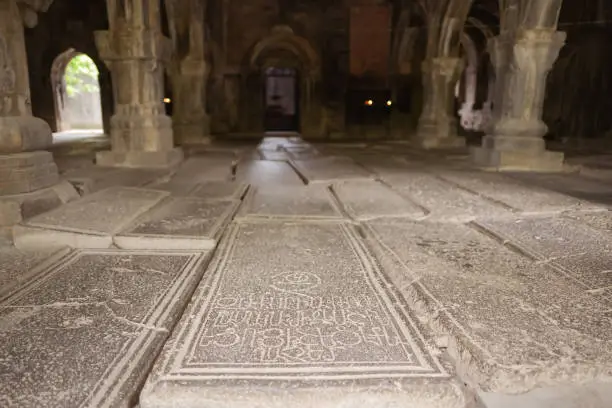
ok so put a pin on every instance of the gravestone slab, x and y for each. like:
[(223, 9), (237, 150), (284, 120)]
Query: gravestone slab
[(177, 189), (367, 199), (179, 223), (582, 253), (601, 220), (330, 168), (295, 202), (444, 201), (512, 193), (94, 179), (87, 330), (89, 222), (513, 324), (550, 237), (297, 315), (18, 267), (273, 155), (220, 190), (261, 173)]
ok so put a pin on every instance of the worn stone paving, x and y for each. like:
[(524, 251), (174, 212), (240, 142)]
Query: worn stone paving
[(312, 276)]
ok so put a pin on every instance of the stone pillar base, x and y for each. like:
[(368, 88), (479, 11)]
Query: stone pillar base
[(141, 158), (26, 172), (18, 207), (434, 135), (543, 161)]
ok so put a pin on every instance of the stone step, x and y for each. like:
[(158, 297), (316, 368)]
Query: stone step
[(513, 324), (90, 222), (298, 315), (85, 332)]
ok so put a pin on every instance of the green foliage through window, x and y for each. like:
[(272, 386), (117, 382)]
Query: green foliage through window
[(81, 76)]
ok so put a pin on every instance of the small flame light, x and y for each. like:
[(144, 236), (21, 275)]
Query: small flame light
[(389, 103), (369, 102), (167, 100)]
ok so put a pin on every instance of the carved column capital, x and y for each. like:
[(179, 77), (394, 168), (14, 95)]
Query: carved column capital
[(538, 49)]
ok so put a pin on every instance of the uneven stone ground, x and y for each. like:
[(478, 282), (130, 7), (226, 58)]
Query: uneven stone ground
[(342, 276)]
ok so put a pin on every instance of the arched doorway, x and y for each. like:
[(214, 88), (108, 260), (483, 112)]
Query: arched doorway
[(280, 85), (76, 89), (281, 95)]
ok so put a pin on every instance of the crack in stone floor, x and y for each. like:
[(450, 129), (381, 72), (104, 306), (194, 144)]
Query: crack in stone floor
[(314, 276)]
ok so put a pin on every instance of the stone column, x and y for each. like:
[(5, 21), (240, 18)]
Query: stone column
[(437, 126), (29, 180), (516, 138), (141, 133), (191, 122)]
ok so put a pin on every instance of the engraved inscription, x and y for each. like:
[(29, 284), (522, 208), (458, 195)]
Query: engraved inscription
[(272, 328)]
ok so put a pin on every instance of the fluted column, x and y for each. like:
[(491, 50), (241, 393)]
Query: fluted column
[(437, 126), (515, 141)]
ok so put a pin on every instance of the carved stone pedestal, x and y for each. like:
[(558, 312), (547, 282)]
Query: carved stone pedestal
[(29, 179), (516, 141), (437, 126)]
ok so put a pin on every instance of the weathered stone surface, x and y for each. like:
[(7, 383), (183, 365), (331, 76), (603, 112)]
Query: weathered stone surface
[(295, 202), (329, 168), (512, 324), (517, 160), (98, 178), (280, 326), (549, 238), (514, 194), (18, 267), (205, 167), (259, 172), (274, 155), (16, 208), (443, 201), (165, 159), (367, 199), (87, 330), (26, 172), (580, 252), (215, 190), (89, 222), (179, 223)]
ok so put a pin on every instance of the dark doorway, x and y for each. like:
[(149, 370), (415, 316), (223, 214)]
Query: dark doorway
[(281, 100)]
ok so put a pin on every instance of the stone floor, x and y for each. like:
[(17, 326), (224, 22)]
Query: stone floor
[(299, 275)]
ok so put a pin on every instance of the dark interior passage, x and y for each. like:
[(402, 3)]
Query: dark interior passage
[(281, 100)]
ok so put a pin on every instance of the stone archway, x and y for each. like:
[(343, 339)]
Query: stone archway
[(283, 49), (89, 106), (58, 85)]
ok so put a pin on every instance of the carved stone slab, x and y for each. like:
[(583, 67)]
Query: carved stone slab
[(506, 318), (89, 222), (87, 330), (319, 315), (179, 223), (367, 199), (444, 201), (18, 267), (330, 168), (224, 190), (296, 202), (515, 195)]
